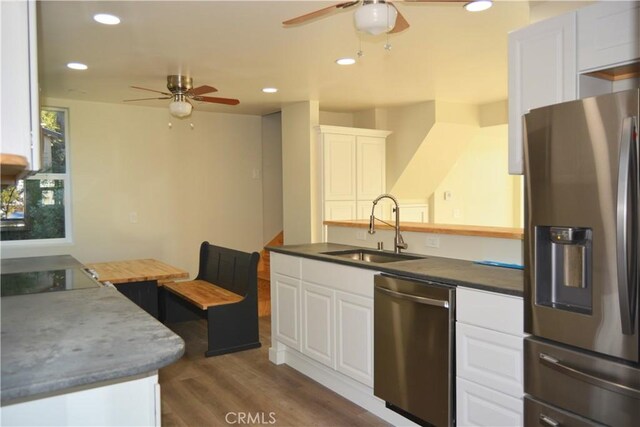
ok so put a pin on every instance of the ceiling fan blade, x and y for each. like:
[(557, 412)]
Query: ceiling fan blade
[(215, 100), (319, 13), (146, 99), (151, 90), (401, 22), (201, 90), (434, 1)]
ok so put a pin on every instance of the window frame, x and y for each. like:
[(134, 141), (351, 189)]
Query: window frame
[(66, 179)]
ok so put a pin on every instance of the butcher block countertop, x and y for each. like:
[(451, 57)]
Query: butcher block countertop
[(420, 227), (138, 270)]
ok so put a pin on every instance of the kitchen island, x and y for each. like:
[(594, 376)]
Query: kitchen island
[(84, 356)]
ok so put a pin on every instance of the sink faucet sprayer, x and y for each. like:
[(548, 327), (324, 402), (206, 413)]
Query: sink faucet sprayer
[(398, 241)]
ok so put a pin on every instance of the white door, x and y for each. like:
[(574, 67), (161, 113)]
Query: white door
[(339, 167), (354, 337), (480, 406), (542, 71), (317, 321), (287, 314), (370, 155)]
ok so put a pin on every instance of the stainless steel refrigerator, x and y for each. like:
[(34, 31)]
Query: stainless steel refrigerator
[(582, 359)]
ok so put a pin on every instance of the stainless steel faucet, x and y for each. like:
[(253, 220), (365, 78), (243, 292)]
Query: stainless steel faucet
[(398, 241)]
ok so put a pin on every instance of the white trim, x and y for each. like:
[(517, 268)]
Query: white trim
[(353, 131)]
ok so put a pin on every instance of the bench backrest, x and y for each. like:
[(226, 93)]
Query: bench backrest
[(230, 269)]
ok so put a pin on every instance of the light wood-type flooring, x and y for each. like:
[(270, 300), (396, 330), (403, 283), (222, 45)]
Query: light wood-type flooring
[(200, 391)]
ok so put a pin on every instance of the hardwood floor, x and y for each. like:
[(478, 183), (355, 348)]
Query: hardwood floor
[(245, 388)]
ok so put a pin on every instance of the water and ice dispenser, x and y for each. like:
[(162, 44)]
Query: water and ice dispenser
[(563, 268)]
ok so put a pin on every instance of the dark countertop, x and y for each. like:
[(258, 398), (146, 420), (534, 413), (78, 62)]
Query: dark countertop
[(59, 340), (444, 270)]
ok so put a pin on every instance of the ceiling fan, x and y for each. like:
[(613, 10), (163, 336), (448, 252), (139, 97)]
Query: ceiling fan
[(379, 16), (181, 92)]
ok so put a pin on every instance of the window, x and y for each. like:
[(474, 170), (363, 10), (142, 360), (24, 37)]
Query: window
[(37, 208)]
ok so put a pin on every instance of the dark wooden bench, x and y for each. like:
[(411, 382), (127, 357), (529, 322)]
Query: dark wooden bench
[(225, 292)]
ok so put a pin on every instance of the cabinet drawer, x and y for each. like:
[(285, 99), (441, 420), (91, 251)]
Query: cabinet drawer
[(490, 358), (481, 406), (502, 313), (285, 264), (353, 280)]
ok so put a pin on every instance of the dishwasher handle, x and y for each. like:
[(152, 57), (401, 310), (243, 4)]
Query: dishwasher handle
[(414, 298)]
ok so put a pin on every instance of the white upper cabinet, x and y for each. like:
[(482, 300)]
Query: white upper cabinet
[(339, 167), (608, 34), (542, 71), (353, 171), (370, 167), (20, 103)]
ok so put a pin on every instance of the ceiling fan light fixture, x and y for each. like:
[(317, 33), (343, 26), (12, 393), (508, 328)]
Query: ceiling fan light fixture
[(478, 5), (179, 108), (375, 18)]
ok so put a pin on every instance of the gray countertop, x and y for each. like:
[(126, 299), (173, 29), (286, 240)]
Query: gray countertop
[(55, 341), (40, 263), (444, 270)]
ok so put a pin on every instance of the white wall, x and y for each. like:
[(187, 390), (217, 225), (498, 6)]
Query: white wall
[(472, 248), (480, 189), (185, 185), (299, 171), (331, 118), (271, 176)]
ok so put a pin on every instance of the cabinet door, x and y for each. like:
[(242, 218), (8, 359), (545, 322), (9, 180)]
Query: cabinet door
[(20, 106), (480, 406), (354, 336), (339, 167), (542, 71), (339, 210), (370, 156), (490, 358), (286, 324), (317, 321), (608, 34)]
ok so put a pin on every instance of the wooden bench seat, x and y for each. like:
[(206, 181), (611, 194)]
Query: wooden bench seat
[(203, 294), (225, 292)]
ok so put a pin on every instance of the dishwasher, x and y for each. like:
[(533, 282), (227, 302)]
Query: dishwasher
[(414, 348)]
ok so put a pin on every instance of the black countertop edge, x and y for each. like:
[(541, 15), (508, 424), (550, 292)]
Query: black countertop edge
[(448, 271)]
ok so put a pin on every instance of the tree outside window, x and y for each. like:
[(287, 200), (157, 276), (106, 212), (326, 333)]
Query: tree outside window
[(36, 208)]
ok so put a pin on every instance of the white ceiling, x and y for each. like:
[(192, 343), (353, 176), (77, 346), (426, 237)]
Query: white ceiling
[(240, 46)]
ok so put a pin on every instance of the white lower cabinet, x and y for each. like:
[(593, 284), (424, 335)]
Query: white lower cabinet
[(286, 313), (489, 359), (482, 406), (354, 337), (318, 323), (130, 401)]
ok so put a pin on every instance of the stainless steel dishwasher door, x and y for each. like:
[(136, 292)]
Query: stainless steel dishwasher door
[(413, 347)]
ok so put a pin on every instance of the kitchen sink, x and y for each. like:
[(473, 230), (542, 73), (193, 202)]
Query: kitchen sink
[(373, 256)]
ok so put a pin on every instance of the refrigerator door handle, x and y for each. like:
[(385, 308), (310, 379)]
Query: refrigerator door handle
[(570, 371), (626, 291)]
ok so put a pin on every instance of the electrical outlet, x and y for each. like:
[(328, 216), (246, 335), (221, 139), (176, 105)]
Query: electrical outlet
[(255, 174), (457, 213), (433, 242), (361, 235), (133, 217)]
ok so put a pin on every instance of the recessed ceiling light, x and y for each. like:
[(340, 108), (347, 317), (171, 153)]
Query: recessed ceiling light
[(270, 89), (105, 18), (345, 61), (77, 66), (478, 5)]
